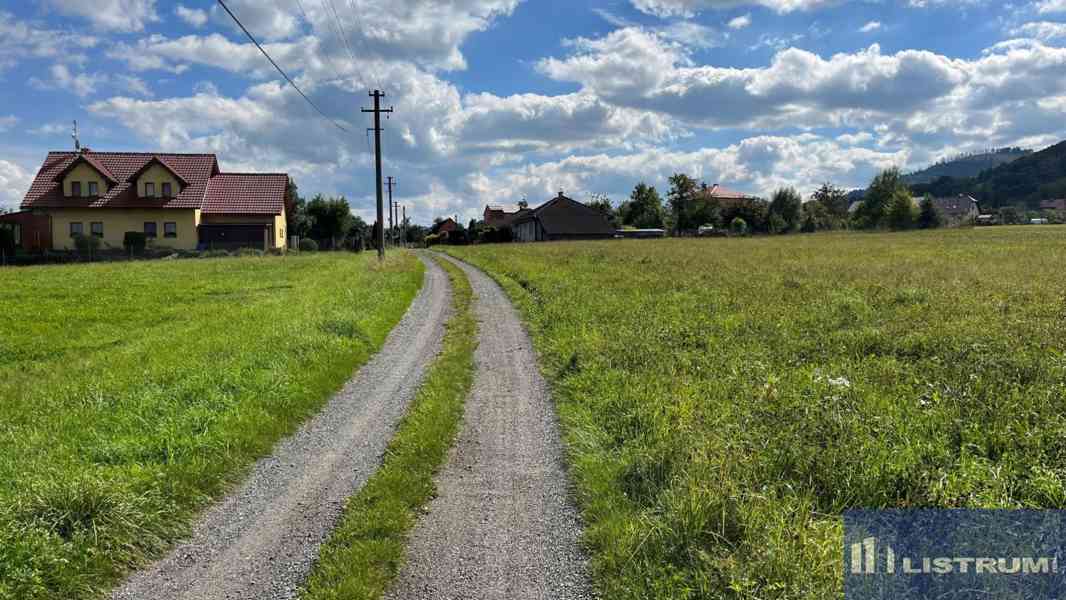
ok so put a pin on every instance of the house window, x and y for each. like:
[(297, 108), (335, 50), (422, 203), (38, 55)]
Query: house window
[(150, 230), (167, 191), (93, 190), (76, 229), (75, 188), (97, 229), (149, 190), (170, 230)]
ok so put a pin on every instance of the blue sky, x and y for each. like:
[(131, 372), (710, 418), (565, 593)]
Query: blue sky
[(499, 100)]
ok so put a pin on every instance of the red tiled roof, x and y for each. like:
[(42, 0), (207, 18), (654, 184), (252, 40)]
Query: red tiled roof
[(87, 158), (204, 186), (195, 169), (718, 191), (160, 160), (246, 194)]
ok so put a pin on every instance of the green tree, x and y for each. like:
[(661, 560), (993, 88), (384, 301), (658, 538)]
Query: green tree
[(680, 198), (603, 204), (834, 199), (886, 186), (523, 204), (786, 204), (901, 211), (816, 217), (1010, 215), (331, 218), (644, 209), (753, 211), (929, 216), (738, 226)]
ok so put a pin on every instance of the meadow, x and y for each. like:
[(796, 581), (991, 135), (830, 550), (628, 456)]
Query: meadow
[(133, 393), (724, 400)]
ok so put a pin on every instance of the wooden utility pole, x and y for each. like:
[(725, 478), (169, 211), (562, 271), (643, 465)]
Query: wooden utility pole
[(403, 225), (390, 182), (377, 95)]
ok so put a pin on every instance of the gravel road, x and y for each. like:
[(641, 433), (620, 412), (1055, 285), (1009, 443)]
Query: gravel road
[(502, 525), (261, 541)]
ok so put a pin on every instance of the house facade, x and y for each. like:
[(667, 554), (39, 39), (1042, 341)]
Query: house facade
[(561, 218), (959, 209), (179, 201)]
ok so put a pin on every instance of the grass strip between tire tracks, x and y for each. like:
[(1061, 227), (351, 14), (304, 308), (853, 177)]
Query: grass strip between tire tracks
[(366, 551)]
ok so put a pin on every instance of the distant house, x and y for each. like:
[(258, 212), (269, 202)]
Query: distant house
[(725, 197), (959, 209), (447, 226), (180, 201), (561, 218), (1059, 205), (500, 217)]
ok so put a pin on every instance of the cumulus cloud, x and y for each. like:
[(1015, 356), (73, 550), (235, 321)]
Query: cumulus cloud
[(62, 78), (193, 16), (1045, 7), (109, 15), (689, 8), (21, 39), (740, 22), (14, 182), (1041, 30), (870, 27)]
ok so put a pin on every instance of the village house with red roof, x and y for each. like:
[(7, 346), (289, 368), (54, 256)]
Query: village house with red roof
[(180, 201)]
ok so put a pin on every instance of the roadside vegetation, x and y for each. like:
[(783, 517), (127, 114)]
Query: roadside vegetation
[(135, 393), (724, 400), (364, 554)]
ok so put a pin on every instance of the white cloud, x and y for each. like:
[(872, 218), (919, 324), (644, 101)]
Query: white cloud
[(61, 78), (6, 123), (21, 39), (1051, 6), (51, 129), (109, 15), (740, 22), (193, 16), (14, 183), (870, 27), (1041, 30), (689, 8)]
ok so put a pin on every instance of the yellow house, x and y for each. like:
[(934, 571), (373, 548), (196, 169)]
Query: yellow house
[(180, 201)]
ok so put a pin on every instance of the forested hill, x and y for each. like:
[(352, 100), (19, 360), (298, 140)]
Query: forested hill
[(966, 165), (1025, 181)]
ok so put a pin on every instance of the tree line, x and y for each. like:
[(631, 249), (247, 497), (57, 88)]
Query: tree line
[(689, 206)]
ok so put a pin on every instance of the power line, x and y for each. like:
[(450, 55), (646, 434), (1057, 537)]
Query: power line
[(344, 31), (283, 74), (329, 59)]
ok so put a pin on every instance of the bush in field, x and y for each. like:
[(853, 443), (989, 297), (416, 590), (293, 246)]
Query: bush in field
[(250, 253), (738, 226), (134, 242), (308, 245)]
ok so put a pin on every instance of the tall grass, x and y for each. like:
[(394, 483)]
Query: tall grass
[(131, 394), (364, 554), (724, 400)]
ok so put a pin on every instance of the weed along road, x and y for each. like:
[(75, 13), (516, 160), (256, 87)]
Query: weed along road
[(502, 525), (261, 541)]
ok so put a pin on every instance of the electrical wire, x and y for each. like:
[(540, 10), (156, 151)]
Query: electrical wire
[(279, 69), (329, 59)]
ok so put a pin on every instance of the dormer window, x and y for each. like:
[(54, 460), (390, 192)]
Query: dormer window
[(93, 189), (167, 191), (149, 190), (75, 188)]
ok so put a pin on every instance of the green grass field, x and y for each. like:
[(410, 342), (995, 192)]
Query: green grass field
[(724, 400), (133, 393)]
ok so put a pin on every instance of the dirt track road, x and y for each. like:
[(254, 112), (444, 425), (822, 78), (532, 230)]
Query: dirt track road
[(261, 541), (502, 525)]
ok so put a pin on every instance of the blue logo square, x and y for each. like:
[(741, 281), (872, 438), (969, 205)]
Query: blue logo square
[(954, 554)]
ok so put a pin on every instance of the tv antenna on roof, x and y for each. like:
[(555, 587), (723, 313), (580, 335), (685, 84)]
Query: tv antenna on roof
[(77, 142)]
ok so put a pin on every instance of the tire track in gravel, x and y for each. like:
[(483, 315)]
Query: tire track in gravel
[(502, 524), (262, 540)]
